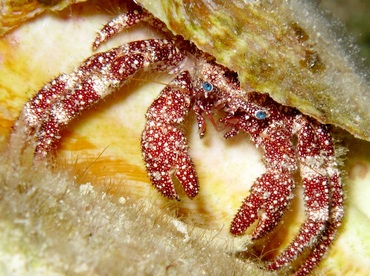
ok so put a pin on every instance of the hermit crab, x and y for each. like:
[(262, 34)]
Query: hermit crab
[(206, 88)]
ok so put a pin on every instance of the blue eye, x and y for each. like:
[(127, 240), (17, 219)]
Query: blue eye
[(261, 114), (207, 86)]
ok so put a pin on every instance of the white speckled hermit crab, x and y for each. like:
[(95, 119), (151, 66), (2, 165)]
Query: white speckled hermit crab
[(205, 89)]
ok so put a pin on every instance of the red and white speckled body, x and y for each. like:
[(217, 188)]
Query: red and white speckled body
[(205, 89)]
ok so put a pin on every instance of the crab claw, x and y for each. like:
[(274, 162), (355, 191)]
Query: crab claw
[(164, 145), (265, 201)]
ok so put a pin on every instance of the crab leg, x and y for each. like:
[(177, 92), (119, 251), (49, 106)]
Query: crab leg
[(96, 78), (119, 23), (336, 205), (126, 20), (316, 193), (272, 199), (164, 144), (272, 192), (38, 108)]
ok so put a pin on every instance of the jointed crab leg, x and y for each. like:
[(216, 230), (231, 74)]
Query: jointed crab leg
[(38, 108), (272, 192), (96, 78), (120, 23), (126, 20), (336, 209), (316, 192)]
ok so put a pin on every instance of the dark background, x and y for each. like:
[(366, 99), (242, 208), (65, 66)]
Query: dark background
[(355, 15)]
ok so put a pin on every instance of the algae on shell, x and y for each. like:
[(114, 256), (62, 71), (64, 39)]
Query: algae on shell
[(288, 49)]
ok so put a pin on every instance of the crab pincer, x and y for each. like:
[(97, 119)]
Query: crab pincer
[(164, 144)]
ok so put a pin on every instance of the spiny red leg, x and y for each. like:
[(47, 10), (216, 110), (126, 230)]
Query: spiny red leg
[(336, 204), (62, 113), (200, 120), (164, 145), (270, 194), (121, 22), (38, 108), (97, 77), (335, 184), (316, 193), (124, 21)]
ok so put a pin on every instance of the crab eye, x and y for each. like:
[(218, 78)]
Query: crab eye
[(261, 114), (207, 86)]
